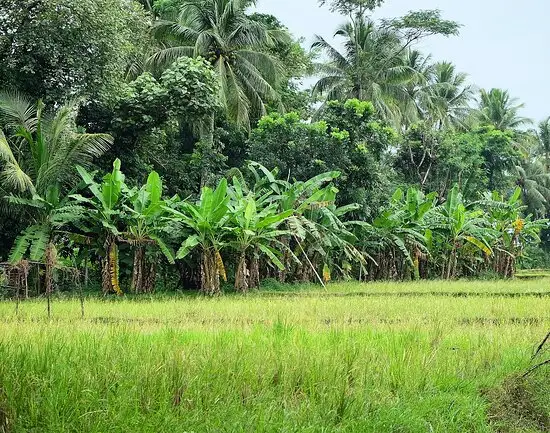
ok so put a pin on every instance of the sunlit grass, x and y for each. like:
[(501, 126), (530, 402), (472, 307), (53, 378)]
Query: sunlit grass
[(317, 361)]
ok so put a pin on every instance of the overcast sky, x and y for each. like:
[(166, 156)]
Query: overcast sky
[(503, 43)]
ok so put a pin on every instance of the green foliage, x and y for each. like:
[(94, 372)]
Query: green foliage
[(350, 7), (234, 44), (348, 139), (186, 90), (43, 148), (419, 24), (375, 64), (62, 49)]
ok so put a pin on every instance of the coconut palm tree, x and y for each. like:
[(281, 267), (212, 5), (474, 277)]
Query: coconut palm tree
[(497, 108), (222, 32), (417, 87), (447, 96), (38, 150), (371, 67), (534, 182)]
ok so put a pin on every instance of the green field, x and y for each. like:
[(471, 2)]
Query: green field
[(384, 357)]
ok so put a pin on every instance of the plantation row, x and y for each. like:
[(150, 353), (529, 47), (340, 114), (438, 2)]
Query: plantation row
[(257, 226)]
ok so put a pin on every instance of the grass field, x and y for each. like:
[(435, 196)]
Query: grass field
[(385, 357)]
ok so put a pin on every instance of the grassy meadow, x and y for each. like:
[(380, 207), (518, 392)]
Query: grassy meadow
[(381, 357)]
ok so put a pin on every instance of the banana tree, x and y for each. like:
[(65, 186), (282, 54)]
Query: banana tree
[(331, 240), (255, 228), (144, 231), (206, 225), (512, 229), (462, 227), (104, 220), (302, 197)]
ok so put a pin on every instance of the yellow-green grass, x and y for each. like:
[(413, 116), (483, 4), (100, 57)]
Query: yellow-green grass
[(410, 357)]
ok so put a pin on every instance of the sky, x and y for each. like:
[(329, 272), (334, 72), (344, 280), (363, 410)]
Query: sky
[(502, 43)]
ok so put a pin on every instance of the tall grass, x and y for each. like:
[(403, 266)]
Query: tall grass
[(313, 363)]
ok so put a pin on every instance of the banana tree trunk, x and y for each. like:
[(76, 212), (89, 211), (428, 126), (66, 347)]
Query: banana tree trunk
[(50, 261), (451, 266), (241, 277), (282, 274), (137, 270), (210, 278), (254, 270), (150, 277)]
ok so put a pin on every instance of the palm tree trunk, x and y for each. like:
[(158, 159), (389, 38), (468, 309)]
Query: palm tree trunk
[(207, 140)]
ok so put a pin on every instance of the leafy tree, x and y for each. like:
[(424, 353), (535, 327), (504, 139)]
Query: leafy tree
[(351, 140), (352, 7), (65, 49), (476, 160), (234, 44), (160, 115)]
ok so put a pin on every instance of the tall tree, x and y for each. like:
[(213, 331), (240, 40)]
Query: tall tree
[(369, 68), (374, 64), (448, 96), (63, 49), (222, 32), (498, 108)]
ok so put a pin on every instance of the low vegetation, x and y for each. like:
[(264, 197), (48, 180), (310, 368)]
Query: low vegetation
[(379, 357)]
